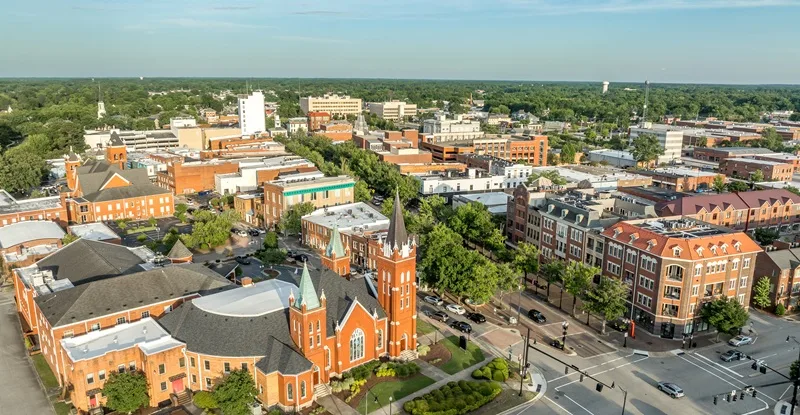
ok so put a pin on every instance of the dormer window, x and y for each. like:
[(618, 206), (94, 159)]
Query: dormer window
[(724, 248), (676, 251), (564, 213), (578, 218), (634, 237), (550, 208), (700, 250), (617, 231), (713, 249), (738, 246), (650, 244)]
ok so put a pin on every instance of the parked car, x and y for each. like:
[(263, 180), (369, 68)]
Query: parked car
[(243, 260), (254, 232), (476, 317), (456, 309), (537, 316), (204, 193), (243, 234), (435, 300), (441, 316), (461, 326), (740, 340), (671, 389), (300, 257), (732, 355)]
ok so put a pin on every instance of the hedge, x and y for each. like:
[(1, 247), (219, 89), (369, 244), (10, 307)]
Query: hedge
[(205, 400), (455, 398), (496, 370)]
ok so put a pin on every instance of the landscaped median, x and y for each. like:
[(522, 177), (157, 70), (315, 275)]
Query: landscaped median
[(450, 358), (455, 398), (362, 385)]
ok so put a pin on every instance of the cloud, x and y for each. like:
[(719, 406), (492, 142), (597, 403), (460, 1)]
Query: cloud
[(553, 7), (308, 39)]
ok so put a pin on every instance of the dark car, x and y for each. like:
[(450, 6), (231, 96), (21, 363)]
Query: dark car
[(299, 256), (253, 232), (461, 326), (441, 316), (204, 193), (537, 316), (243, 260), (732, 355), (476, 317)]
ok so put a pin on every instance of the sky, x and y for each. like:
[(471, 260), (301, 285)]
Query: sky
[(678, 41)]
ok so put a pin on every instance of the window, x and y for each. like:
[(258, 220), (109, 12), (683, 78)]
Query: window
[(672, 292), (132, 366), (380, 339), (244, 366), (145, 314), (691, 308), (162, 369), (613, 268), (121, 368), (207, 365), (698, 269), (646, 282), (101, 375), (695, 290), (644, 300), (310, 328), (120, 320), (90, 378), (735, 264), (227, 367), (732, 284), (740, 298), (68, 334), (303, 389), (289, 392), (675, 272), (327, 358), (743, 282), (615, 250), (319, 340), (208, 383), (630, 256), (357, 345), (95, 327), (163, 386), (194, 378), (574, 251), (191, 362), (746, 263), (317, 325)]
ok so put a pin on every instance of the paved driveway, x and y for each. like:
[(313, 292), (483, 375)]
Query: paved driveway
[(20, 393)]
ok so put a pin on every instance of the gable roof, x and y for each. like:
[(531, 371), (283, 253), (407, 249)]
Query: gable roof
[(785, 258), (84, 261), (128, 291), (179, 251), (738, 200), (93, 176)]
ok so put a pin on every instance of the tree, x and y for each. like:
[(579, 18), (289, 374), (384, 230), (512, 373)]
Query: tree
[(210, 230), (68, 239), (473, 221), (21, 170), (719, 184), (606, 299), (553, 159), (362, 191), (793, 189), (766, 236), (568, 153), (725, 314), (271, 252), (771, 139), (271, 240), (552, 272), (290, 221), (152, 221), (737, 186), (646, 148), (500, 109), (438, 257), (526, 259), (553, 175), (757, 176), (701, 142), (577, 278), (126, 391), (431, 209), (761, 293), (235, 392)]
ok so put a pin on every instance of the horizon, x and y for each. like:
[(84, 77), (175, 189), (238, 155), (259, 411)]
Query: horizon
[(714, 42)]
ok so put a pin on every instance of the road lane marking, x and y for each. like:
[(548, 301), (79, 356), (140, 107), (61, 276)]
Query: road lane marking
[(600, 373), (784, 392), (717, 369), (760, 320), (717, 364), (559, 406), (591, 367), (581, 406), (723, 379)]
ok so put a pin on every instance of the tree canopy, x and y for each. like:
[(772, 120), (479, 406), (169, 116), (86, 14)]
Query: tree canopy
[(126, 391), (210, 230), (646, 149), (606, 299), (235, 392), (291, 219), (725, 314), (761, 293)]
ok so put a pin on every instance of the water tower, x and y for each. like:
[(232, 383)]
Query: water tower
[(605, 86)]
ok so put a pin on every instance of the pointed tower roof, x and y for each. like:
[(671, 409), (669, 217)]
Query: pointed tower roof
[(335, 244), (179, 251), (308, 294), (115, 141), (72, 156), (397, 227)]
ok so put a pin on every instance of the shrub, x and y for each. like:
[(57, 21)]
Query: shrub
[(496, 370), (477, 374), (454, 398), (141, 238), (780, 310), (364, 371), (423, 349), (205, 400), (275, 412)]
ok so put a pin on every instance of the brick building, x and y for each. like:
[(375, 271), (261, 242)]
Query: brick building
[(316, 119), (250, 207), (681, 179), (337, 131), (673, 265), (281, 195), (429, 168), (782, 267), (773, 171), (193, 177), (53, 208), (774, 208), (719, 154), (23, 243)]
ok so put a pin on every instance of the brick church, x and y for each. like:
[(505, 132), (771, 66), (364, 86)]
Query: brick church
[(185, 329)]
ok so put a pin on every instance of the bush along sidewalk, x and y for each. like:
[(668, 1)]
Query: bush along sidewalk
[(455, 398), (496, 370)]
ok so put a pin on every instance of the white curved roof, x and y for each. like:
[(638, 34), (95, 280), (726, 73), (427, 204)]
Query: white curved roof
[(256, 300), (21, 232)]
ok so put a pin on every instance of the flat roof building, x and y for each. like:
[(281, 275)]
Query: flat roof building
[(393, 110), (332, 104)]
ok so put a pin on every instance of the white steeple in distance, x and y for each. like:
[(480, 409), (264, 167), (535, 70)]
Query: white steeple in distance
[(101, 107)]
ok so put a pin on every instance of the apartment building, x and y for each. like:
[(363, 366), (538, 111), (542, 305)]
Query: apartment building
[(393, 110), (194, 176), (355, 223), (681, 179), (252, 120), (280, 195), (529, 149), (787, 158), (673, 265), (316, 119), (773, 171), (53, 208), (297, 124), (441, 130), (782, 267), (513, 173), (332, 104)]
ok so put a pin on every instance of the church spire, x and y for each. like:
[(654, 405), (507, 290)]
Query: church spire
[(335, 244), (398, 236), (308, 295)]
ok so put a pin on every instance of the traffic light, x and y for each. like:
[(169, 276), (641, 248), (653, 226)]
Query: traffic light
[(581, 377), (754, 366), (566, 370), (599, 387), (763, 369), (741, 396), (715, 400), (754, 393), (734, 397)]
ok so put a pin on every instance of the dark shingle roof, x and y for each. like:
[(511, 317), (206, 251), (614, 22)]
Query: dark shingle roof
[(93, 176), (84, 261), (125, 292), (398, 236), (179, 250)]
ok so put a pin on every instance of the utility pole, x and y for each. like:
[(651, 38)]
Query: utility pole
[(524, 363)]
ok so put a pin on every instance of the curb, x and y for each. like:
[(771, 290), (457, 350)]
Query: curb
[(539, 395)]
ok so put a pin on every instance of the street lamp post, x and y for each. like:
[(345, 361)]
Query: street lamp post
[(625, 341), (390, 404), (624, 399), (794, 380), (366, 401), (565, 326)]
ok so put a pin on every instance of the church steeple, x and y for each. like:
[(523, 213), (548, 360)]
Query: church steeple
[(308, 295), (397, 235), (336, 256)]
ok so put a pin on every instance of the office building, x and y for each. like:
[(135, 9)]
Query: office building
[(393, 110), (670, 140), (441, 130), (332, 104), (681, 179), (744, 168), (283, 193), (253, 172), (252, 120)]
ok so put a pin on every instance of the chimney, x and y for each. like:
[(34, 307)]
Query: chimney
[(247, 281)]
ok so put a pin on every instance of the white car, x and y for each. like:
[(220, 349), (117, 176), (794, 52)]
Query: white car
[(433, 300), (740, 340), (671, 389), (456, 309)]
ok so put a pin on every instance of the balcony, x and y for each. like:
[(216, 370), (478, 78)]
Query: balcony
[(674, 273), (670, 310), (673, 293)]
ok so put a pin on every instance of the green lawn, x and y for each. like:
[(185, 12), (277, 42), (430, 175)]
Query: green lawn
[(423, 327), (48, 378), (397, 389), (131, 231), (61, 408), (461, 359)]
